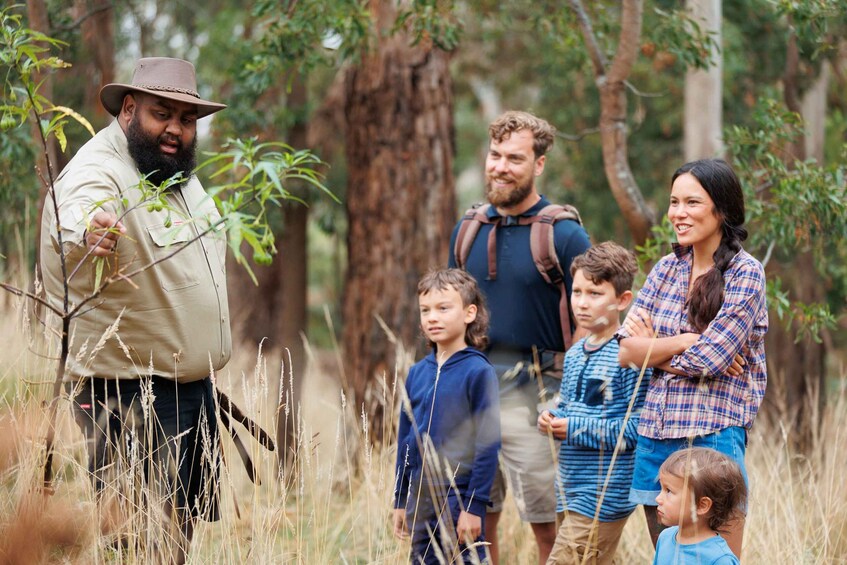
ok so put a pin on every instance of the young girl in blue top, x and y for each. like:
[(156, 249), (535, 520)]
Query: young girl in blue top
[(449, 430), (703, 490)]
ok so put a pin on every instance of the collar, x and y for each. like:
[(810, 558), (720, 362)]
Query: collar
[(589, 349), (117, 138)]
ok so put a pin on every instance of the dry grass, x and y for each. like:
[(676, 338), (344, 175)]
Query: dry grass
[(334, 506)]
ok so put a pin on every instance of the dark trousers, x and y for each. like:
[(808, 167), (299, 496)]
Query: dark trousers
[(152, 433), (433, 531)]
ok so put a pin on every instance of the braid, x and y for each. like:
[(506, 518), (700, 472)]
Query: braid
[(707, 295)]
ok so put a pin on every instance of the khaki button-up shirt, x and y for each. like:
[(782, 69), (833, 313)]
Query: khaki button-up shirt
[(170, 320)]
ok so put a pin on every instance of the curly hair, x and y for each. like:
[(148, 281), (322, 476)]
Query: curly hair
[(714, 475), (476, 333), (543, 134), (607, 262)]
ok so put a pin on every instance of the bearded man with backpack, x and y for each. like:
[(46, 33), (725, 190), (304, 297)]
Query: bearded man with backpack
[(519, 248)]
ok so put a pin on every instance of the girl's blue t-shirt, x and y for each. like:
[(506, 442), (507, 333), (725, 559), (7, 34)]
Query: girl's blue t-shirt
[(713, 551)]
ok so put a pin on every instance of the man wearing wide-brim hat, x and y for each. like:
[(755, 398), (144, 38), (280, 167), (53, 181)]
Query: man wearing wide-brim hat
[(142, 351)]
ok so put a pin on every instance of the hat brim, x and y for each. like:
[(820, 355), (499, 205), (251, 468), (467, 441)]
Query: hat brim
[(112, 98)]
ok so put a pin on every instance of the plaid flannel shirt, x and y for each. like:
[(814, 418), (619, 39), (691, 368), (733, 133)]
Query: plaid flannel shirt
[(707, 399)]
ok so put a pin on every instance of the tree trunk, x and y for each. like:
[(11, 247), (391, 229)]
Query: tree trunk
[(611, 81), (292, 293), (813, 109), (96, 67), (797, 370), (703, 90), (275, 312), (400, 201)]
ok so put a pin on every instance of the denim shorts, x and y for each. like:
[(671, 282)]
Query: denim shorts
[(651, 453)]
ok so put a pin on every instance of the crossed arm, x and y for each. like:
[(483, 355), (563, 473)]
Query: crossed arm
[(643, 346)]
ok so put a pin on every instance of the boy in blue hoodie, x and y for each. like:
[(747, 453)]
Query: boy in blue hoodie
[(597, 415), (449, 430)]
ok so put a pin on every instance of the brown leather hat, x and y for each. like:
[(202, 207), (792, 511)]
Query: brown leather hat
[(160, 76)]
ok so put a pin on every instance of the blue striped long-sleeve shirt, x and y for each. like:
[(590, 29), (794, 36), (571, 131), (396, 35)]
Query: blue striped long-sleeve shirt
[(595, 397)]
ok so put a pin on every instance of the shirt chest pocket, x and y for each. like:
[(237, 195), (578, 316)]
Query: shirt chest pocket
[(596, 391), (179, 271)]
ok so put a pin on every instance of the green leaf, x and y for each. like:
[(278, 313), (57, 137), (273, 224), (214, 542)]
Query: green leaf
[(60, 137), (99, 262), (65, 111)]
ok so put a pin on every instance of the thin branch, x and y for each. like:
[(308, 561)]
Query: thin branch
[(41, 355), (578, 136), (291, 7), (638, 93), (763, 187), (79, 21), (18, 292), (81, 313), (627, 52), (126, 276), (768, 254), (90, 248), (598, 58)]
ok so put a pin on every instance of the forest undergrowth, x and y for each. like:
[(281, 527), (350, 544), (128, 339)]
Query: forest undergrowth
[(333, 505)]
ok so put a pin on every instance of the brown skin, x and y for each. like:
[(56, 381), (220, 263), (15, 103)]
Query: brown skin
[(102, 234), (157, 116), (176, 121)]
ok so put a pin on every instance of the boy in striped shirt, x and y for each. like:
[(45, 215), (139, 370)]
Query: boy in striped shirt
[(597, 414)]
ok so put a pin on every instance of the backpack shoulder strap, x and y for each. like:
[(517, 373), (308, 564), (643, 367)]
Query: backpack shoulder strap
[(543, 247), (474, 217), (543, 243)]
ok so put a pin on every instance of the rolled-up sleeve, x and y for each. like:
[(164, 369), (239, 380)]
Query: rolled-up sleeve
[(79, 195)]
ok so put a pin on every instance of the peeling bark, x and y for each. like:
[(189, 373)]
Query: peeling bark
[(400, 202)]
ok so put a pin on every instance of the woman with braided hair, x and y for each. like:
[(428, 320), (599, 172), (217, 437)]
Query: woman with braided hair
[(700, 321)]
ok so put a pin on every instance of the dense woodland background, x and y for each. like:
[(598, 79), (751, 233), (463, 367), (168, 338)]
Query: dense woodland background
[(396, 97)]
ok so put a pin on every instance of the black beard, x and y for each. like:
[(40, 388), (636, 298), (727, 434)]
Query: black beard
[(507, 200), (155, 165)]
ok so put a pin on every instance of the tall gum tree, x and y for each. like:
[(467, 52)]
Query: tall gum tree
[(704, 89), (610, 78), (798, 368), (400, 198)]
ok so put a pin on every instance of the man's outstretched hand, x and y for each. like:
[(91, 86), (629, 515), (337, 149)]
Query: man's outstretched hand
[(102, 234)]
